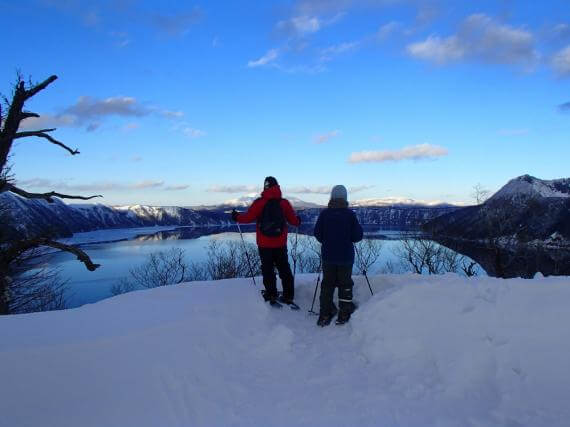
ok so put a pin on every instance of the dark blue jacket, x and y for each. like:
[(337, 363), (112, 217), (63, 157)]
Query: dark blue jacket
[(337, 229)]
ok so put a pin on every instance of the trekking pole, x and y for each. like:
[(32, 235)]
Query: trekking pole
[(316, 287), (363, 269), (246, 254)]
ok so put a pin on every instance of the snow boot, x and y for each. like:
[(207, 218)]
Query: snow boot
[(288, 302), (326, 319), (271, 299), (343, 317)]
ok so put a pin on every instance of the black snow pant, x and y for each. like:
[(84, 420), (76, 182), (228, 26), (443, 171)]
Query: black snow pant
[(336, 276), (276, 257)]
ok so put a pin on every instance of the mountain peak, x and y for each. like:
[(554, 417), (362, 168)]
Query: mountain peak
[(530, 186)]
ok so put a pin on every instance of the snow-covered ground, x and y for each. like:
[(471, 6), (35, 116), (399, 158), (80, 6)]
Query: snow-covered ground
[(424, 351)]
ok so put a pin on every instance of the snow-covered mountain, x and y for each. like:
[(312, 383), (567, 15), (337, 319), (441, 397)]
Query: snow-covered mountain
[(34, 217), (424, 351), (525, 209), (400, 201), (528, 186), (246, 201)]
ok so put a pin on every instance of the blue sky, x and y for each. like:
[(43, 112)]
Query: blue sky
[(187, 103)]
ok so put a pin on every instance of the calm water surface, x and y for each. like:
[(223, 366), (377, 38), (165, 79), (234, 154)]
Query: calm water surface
[(118, 257)]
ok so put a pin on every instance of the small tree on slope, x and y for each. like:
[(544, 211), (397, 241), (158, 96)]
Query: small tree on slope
[(12, 249)]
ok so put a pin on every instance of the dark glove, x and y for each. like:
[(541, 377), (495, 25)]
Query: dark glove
[(234, 215)]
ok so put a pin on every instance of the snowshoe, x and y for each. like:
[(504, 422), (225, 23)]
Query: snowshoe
[(326, 319), (288, 302), (272, 300), (275, 304), (342, 318)]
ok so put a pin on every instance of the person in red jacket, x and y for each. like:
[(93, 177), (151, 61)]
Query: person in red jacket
[(272, 249)]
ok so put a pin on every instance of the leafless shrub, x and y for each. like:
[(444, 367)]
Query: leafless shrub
[(421, 255), (480, 193), (123, 286), (391, 268), (309, 255), (32, 287), (197, 272), (367, 253), (232, 259), (162, 268)]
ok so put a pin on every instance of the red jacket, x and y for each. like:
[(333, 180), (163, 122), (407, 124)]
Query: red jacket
[(254, 214)]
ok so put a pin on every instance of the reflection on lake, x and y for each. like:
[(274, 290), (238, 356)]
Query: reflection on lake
[(118, 257)]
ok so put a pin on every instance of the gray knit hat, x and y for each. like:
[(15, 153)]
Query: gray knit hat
[(339, 192)]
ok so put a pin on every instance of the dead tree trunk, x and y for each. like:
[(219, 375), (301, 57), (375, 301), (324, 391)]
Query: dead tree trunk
[(9, 132)]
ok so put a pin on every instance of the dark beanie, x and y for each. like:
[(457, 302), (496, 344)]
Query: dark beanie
[(269, 182)]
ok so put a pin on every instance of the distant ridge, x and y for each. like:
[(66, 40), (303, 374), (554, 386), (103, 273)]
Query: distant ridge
[(33, 217), (526, 209)]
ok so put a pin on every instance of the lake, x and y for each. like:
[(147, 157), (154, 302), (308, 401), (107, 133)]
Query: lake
[(118, 251)]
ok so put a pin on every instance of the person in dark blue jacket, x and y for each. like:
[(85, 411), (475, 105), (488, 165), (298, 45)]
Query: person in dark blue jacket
[(337, 229)]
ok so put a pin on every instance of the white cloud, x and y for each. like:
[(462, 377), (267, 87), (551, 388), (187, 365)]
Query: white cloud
[(121, 38), (234, 189), (416, 152), (266, 59), (561, 32), (90, 112), (48, 121), (325, 189), (320, 139), (561, 62), (323, 6), (102, 186), (193, 133), (172, 114), (176, 187), (479, 38), (437, 50), (88, 108), (305, 24), (359, 188), (330, 52), (387, 30), (147, 184)]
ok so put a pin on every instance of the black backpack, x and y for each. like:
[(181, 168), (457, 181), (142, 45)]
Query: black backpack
[(272, 220)]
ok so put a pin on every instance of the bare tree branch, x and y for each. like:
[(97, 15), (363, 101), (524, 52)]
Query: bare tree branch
[(14, 117), (45, 196), (43, 134), (27, 115), (39, 87), (18, 248)]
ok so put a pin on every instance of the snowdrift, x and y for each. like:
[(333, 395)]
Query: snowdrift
[(424, 351)]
